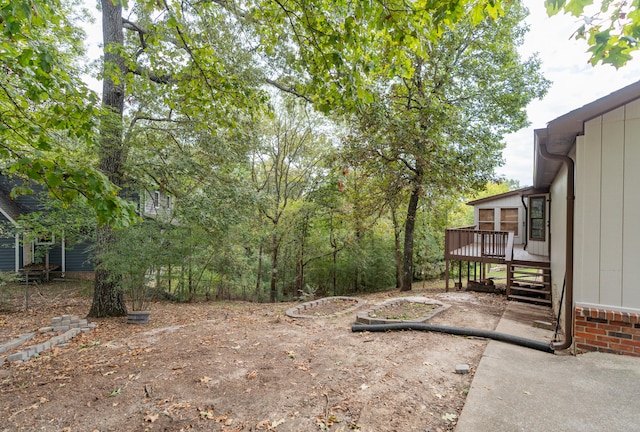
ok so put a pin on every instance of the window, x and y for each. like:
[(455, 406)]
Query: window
[(156, 199), (537, 230), (46, 238), (486, 220), (509, 220)]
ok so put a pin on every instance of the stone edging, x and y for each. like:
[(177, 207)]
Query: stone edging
[(364, 318), (297, 311), (71, 325)]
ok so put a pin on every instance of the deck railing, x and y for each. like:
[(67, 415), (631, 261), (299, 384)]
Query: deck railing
[(470, 244)]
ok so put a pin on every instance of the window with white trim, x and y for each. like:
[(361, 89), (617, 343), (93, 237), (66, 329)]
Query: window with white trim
[(537, 220)]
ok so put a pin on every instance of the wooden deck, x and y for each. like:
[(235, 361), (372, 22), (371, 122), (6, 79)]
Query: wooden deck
[(487, 247), (528, 275), (472, 253), (520, 255)]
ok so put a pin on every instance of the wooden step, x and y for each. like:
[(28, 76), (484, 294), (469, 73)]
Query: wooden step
[(530, 299), (530, 273), (530, 282), (531, 290)]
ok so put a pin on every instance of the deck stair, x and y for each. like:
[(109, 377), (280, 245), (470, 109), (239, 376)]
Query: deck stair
[(529, 282)]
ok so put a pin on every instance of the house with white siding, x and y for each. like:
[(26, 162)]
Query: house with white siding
[(585, 180)]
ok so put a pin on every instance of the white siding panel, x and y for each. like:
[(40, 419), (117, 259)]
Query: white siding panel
[(587, 251), (611, 210), (579, 234), (558, 235), (631, 224), (497, 204)]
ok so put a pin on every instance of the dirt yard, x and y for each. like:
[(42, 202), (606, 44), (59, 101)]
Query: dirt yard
[(233, 366)]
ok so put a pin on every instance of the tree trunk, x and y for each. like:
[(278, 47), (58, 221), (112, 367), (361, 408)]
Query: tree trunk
[(409, 227), (301, 254), (274, 269), (334, 246), (397, 249), (259, 278), (107, 298)]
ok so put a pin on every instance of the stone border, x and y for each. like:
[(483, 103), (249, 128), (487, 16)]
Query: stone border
[(71, 325), (295, 312), (364, 318)]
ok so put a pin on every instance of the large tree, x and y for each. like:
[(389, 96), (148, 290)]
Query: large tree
[(47, 113), (285, 170), (177, 69), (439, 129)]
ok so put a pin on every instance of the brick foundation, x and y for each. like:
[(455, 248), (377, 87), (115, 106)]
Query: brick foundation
[(607, 331)]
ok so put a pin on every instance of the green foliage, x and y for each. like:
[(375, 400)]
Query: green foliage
[(612, 31), (48, 120), (338, 46), (136, 257)]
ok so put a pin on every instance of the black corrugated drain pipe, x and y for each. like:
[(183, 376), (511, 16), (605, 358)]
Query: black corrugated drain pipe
[(460, 331)]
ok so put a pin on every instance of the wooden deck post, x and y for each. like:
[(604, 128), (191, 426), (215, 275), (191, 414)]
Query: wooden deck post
[(446, 275)]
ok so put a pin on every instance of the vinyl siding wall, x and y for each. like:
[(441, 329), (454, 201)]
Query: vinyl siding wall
[(607, 246), (557, 235), (499, 203)]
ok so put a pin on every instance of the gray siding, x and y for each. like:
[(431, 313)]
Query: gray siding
[(79, 257), (8, 254)]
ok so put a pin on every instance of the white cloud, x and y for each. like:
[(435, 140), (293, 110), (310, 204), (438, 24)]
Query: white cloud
[(575, 83)]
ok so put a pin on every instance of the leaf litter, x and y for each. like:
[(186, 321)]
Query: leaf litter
[(234, 366)]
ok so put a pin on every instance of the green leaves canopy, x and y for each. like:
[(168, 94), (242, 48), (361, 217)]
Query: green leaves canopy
[(47, 113), (612, 32)]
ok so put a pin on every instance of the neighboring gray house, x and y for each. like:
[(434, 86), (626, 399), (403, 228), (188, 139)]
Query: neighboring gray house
[(55, 255), (17, 252)]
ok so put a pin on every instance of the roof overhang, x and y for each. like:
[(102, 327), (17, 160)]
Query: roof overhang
[(559, 136), (522, 192)]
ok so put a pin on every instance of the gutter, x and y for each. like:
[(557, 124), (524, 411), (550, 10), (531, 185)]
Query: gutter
[(569, 163)]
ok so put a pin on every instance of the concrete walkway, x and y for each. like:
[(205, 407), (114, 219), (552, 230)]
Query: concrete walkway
[(520, 389)]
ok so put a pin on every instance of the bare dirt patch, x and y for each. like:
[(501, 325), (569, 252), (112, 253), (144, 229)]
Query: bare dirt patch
[(233, 366)]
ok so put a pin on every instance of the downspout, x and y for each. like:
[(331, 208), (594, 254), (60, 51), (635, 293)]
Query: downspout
[(568, 308), (526, 223)]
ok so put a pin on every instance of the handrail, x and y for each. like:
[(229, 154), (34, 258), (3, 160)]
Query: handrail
[(481, 245), (509, 251)]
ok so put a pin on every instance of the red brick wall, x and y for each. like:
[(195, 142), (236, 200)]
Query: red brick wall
[(607, 331)]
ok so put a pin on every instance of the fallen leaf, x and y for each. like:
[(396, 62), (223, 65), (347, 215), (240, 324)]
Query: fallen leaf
[(151, 418), (205, 379), (206, 414), (449, 416), (264, 424), (277, 423), (252, 374)]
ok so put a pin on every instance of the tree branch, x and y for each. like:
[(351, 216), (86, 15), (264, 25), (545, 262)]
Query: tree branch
[(288, 90)]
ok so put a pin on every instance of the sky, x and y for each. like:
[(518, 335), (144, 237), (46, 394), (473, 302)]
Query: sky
[(574, 83)]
